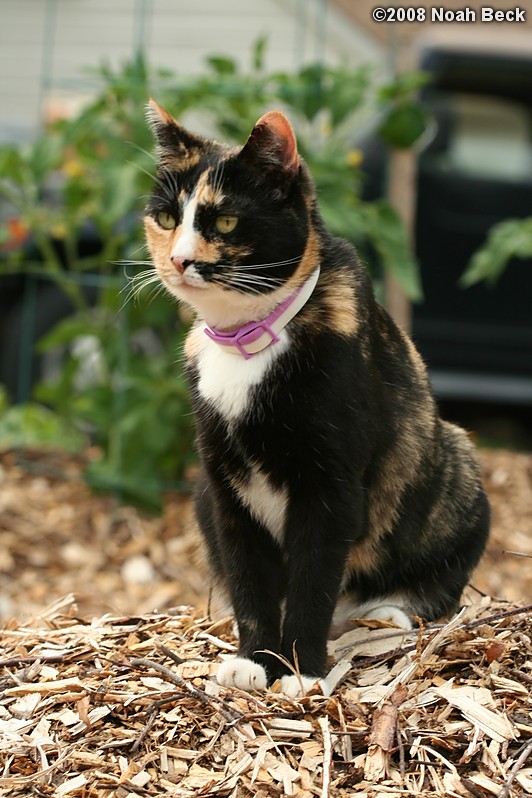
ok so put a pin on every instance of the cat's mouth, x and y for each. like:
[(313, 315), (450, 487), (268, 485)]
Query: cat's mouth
[(206, 277), (190, 279), (194, 281)]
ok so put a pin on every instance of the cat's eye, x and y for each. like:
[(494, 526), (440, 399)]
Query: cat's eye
[(226, 224), (165, 220)]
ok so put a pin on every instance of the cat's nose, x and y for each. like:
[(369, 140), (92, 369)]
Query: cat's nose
[(180, 263)]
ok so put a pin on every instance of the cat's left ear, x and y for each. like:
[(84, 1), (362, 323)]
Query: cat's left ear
[(174, 140), (272, 144)]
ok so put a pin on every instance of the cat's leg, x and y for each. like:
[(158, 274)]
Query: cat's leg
[(432, 586), (437, 588), (432, 583), (250, 564), (320, 532)]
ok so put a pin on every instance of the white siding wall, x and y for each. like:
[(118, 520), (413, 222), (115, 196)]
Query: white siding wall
[(45, 45)]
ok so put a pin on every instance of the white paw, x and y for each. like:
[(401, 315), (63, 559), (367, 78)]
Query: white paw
[(388, 612), (388, 608), (242, 673), (297, 686)]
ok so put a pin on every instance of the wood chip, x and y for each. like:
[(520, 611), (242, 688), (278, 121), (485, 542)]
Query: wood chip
[(494, 724)]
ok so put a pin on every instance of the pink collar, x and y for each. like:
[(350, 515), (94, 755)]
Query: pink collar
[(253, 337)]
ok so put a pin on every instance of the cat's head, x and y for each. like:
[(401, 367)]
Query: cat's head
[(230, 228)]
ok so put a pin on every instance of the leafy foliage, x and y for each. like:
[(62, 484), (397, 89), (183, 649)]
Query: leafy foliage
[(405, 119), (506, 240), (35, 426), (120, 381)]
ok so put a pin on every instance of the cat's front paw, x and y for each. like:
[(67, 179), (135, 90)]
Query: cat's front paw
[(242, 673), (297, 686)]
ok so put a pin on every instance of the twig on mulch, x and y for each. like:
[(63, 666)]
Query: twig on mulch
[(514, 770), (199, 695)]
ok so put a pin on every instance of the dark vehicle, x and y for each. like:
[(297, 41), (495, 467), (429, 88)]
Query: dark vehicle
[(475, 171)]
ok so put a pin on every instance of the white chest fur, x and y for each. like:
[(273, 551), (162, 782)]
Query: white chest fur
[(226, 380), (265, 503)]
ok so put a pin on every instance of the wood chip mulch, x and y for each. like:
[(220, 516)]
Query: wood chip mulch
[(112, 692), (128, 706), (59, 538)]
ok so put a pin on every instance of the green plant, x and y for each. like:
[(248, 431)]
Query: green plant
[(34, 426), (506, 240), (405, 119), (119, 381)]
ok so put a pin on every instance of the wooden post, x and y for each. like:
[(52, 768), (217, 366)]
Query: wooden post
[(402, 175), (402, 195)]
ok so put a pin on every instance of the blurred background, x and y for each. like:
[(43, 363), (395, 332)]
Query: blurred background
[(419, 136)]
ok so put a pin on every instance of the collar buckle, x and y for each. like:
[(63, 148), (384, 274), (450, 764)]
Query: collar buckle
[(249, 334)]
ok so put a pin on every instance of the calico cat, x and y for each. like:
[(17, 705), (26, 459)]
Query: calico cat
[(326, 471)]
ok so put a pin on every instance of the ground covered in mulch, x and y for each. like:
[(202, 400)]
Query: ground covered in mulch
[(126, 706), (109, 692)]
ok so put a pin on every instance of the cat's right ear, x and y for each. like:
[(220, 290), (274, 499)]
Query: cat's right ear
[(174, 141)]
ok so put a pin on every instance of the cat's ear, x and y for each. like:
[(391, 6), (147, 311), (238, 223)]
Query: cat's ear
[(272, 144), (174, 140)]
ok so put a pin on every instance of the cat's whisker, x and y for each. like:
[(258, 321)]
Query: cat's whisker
[(136, 286), (159, 290), (172, 179), (149, 276), (250, 287), (166, 189), (134, 291), (245, 275), (141, 248), (139, 281), (254, 279), (131, 262), (146, 172), (218, 176), (287, 262), (234, 285), (245, 286), (136, 263), (151, 155), (242, 289)]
